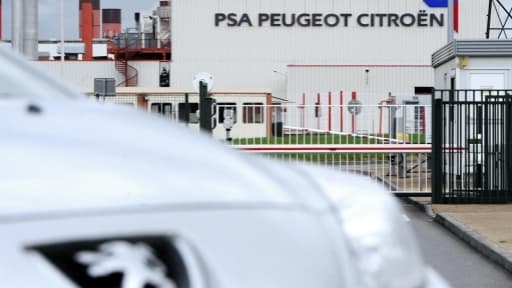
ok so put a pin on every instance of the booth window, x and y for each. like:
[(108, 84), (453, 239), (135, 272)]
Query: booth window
[(164, 109), (226, 106), (192, 108), (156, 108), (253, 113)]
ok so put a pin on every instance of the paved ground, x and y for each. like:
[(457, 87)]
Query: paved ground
[(488, 228), (457, 262), (494, 222)]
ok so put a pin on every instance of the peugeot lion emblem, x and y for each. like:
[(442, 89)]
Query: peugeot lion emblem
[(136, 262)]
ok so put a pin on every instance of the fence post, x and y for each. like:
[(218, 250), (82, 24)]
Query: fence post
[(354, 97), (437, 142), (508, 147), (303, 106), (329, 113), (341, 111), (318, 110)]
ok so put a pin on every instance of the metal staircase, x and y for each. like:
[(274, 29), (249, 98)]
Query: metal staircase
[(129, 47), (129, 72)]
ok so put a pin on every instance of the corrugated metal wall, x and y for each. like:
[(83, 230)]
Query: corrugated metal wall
[(371, 84), (259, 56), (365, 80)]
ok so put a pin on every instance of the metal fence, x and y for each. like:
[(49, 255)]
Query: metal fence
[(388, 142), (472, 146), (137, 41)]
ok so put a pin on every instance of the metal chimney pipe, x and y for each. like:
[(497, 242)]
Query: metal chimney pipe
[(17, 25), (137, 21), (30, 29), (111, 22), (96, 19), (86, 13), (0, 20)]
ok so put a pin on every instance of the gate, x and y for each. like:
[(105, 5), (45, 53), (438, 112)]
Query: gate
[(472, 146), (388, 143)]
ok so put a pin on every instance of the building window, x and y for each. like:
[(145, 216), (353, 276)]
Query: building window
[(226, 106), (156, 108), (167, 110), (192, 108), (164, 109), (253, 113)]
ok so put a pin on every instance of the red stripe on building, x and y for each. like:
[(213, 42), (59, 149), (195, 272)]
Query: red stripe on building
[(359, 66)]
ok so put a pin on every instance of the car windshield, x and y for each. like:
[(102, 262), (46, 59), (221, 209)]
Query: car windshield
[(20, 79)]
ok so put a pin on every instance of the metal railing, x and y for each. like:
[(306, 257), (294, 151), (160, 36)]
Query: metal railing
[(389, 143), (134, 41), (389, 146)]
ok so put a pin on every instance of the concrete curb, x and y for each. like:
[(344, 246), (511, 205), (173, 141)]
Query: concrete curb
[(422, 206), (485, 247)]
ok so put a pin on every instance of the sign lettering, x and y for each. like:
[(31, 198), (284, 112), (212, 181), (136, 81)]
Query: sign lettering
[(332, 20)]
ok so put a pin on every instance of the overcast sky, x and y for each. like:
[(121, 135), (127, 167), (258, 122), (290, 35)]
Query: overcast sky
[(49, 19)]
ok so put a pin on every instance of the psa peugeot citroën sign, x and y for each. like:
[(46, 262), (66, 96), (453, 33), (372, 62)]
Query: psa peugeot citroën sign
[(420, 18)]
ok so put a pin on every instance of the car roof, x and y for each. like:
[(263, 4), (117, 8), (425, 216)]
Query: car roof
[(62, 156)]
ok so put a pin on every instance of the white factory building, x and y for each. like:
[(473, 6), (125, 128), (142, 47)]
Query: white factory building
[(369, 46), (299, 47)]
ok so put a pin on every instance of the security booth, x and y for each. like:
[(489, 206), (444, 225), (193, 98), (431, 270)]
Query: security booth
[(472, 122), (251, 114)]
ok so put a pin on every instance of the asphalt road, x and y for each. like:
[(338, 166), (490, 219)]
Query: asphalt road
[(458, 263)]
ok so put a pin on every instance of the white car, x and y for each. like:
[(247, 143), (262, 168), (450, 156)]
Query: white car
[(96, 195)]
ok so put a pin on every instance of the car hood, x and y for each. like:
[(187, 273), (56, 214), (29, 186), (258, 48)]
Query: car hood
[(78, 155)]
